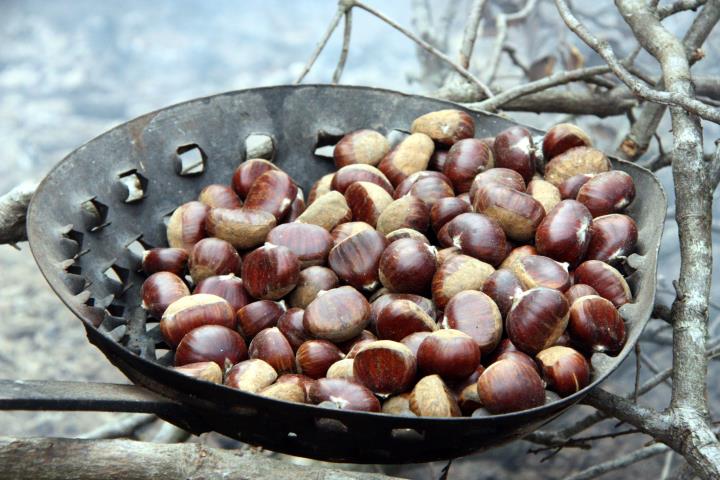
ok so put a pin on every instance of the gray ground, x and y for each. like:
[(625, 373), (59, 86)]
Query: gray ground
[(71, 70)]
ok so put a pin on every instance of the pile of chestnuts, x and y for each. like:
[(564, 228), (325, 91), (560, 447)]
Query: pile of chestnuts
[(442, 276)]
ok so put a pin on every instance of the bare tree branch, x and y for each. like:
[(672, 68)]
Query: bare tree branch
[(125, 426), (13, 208), (323, 41), (471, 32), (501, 25), (619, 462), (679, 6), (347, 32)]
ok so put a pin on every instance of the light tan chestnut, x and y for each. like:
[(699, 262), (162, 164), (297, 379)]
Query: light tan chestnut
[(286, 391), (208, 371), (405, 212), (432, 398), (341, 369), (544, 192), (251, 375), (361, 146), (398, 405), (458, 273), (412, 155), (243, 228), (576, 161), (320, 187), (327, 211), (445, 126), (518, 213), (337, 315)]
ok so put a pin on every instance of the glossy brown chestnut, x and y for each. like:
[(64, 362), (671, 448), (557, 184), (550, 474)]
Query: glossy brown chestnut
[(365, 336), (596, 325), (563, 137), (505, 345), (414, 340), (350, 174), (444, 238), (312, 280), (385, 299), (575, 161), (219, 196), (565, 370), (257, 316), (478, 236), (539, 271), (314, 357), (564, 234), (428, 188), (497, 176), (445, 126), (468, 399), (286, 391), (432, 398), (290, 324), (514, 150), (355, 260), (367, 201), (438, 159), (401, 233), (211, 343), (297, 207), (385, 367), (171, 260), (345, 394), (406, 186), (161, 289), (445, 210), (465, 160), (476, 315), (607, 192), (606, 280), (327, 211), (400, 318), (614, 237), (337, 315), (544, 192), (192, 311), (310, 243), (243, 227), (405, 212), (207, 371), (459, 272), (320, 187), (570, 187), (518, 356), (251, 375), (273, 192), (502, 287), (212, 256), (398, 405), (187, 225), (508, 386), (247, 172), (410, 156), (449, 353), (228, 287), (361, 146), (272, 346), (347, 230), (518, 213), (518, 252), (578, 290), (537, 319), (270, 272), (407, 266)]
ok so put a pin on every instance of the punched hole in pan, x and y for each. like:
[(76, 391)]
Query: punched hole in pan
[(134, 184), (407, 435), (395, 136), (190, 160), (259, 145), (326, 141), (94, 214), (331, 425)]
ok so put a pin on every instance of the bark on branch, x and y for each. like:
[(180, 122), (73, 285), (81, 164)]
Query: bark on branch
[(13, 209)]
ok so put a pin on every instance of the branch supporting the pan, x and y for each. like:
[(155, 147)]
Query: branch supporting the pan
[(13, 209)]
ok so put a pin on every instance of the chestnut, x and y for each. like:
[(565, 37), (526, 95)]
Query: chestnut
[(437, 160), (351, 174), (228, 287), (212, 256), (606, 280), (314, 357), (544, 192), (398, 405), (565, 370), (257, 316), (407, 266), (312, 280), (171, 260), (327, 211), (465, 197), (273, 192), (444, 238), (290, 324), (518, 356), (385, 299), (243, 227), (400, 318), (297, 379), (405, 212), (270, 272), (355, 260), (468, 399), (401, 233), (385, 367), (459, 272), (361, 146), (518, 252), (211, 343), (192, 311), (564, 234), (570, 187), (428, 188), (445, 126), (347, 230), (607, 192), (219, 196), (445, 210), (476, 315), (251, 375), (578, 290), (596, 325), (342, 369), (508, 386), (575, 161), (161, 289), (451, 354), (344, 394), (478, 236), (502, 287), (406, 186), (310, 243), (432, 398), (337, 315), (349, 345), (539, 271), (207, 371), (465, 160), (505, 345), (272, 346), (497, 176), (247, 172), (367, 201), (613, 238), (286, 391), (563, 137), (514, 150), (297, 207), (518, 213), (320, 187), (186, 226), (537, 319), (445, 253), (410, 156)]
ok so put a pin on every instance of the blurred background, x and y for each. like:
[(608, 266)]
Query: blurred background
[(71, 70)]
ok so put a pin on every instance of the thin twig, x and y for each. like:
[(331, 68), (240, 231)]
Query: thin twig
[(347, 31), (501, 25), (638, 365), (679, 6), (471, 32), (323, 41), (619, 462)]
